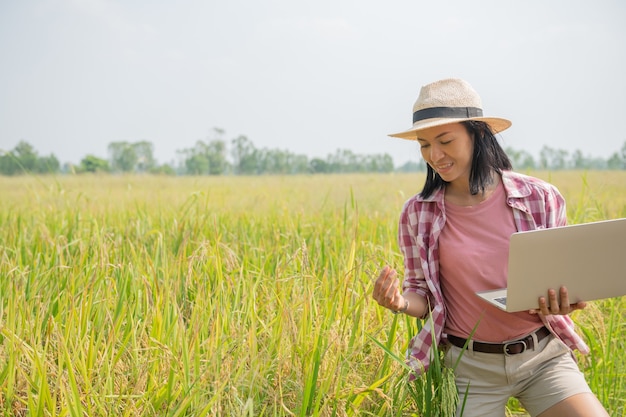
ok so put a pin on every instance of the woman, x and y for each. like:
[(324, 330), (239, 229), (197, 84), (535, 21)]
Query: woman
[(454, 236)]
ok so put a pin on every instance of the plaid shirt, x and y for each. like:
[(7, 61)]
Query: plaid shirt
[(536, 204)]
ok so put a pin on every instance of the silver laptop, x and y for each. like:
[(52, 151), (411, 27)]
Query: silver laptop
[(589, 259)]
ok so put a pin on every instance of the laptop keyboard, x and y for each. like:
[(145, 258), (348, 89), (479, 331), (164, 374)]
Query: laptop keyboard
[(501, 300)]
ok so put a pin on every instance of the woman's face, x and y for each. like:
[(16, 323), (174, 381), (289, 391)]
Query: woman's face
[(448, 149)]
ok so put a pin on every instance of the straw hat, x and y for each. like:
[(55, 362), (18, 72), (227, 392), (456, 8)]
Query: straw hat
[(448, 101)]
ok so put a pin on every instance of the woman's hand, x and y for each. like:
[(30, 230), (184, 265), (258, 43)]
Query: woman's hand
[(557, 305), (387, 290)]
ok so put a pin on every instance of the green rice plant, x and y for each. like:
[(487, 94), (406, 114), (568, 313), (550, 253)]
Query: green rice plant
[(212, 296), (603, 325)]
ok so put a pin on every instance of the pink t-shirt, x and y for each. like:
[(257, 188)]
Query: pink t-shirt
[(474, 253)]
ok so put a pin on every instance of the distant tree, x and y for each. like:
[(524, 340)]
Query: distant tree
[(385, 163), (23, 159), (520, 159), (26, 156), (513, 154), (412, 166), (245, 156), (553, 158), (274, 161), (527, 161), (348, 161), (9, 164), (144, 153), (319, 166), (560, 162), (47, 165), (618, 159), (578, 160), (205, 158), (92, 163), (216, 155), (544, 157), (343, 160), (164, 169), (122, 156), (197, 164), (300, 164), (615, 161), (378, 163)]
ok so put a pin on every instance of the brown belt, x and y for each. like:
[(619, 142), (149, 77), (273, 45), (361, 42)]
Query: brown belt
[(509, 348)]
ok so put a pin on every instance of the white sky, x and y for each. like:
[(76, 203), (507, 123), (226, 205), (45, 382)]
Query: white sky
[(308, 76)]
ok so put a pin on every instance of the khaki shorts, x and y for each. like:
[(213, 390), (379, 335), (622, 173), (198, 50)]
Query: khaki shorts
[(538, 378)]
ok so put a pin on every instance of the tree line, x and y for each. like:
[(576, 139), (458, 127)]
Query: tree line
[(239, 156)]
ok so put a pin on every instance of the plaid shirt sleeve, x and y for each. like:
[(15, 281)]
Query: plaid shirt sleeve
[(408, 235), (417, 237)]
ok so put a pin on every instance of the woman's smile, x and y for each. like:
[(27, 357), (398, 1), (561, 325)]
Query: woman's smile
[(443, 168)]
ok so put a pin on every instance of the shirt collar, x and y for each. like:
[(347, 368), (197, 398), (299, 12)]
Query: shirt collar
[(515, 188)]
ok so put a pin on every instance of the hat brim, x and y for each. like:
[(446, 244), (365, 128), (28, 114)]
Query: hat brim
[(497, 125)]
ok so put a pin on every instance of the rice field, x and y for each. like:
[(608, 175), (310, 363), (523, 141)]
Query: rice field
[(233, 296)]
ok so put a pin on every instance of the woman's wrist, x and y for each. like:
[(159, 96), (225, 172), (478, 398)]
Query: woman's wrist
[(403, 309)]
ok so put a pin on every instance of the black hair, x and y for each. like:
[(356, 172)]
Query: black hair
[(488, 156)]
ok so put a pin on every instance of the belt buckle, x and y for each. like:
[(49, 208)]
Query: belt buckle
[(507, 345)]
